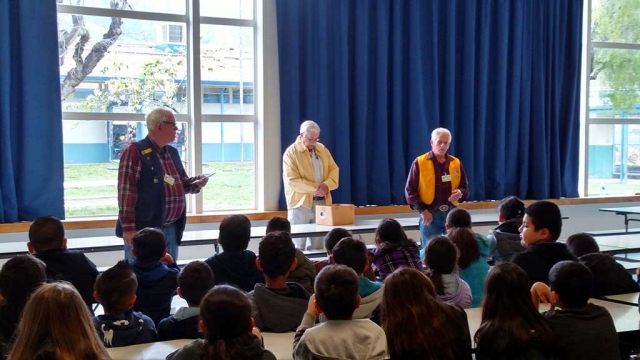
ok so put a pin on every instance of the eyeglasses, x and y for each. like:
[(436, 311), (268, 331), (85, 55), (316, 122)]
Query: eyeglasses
[(312, 139), (175, 127)]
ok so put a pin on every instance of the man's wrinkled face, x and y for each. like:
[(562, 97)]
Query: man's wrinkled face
[(310, 138), (440, 144)]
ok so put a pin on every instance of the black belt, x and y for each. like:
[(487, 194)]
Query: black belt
[(316, 198), (443, 208)]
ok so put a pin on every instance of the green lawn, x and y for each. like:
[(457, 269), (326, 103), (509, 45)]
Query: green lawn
[(613, 187), (232, 187)]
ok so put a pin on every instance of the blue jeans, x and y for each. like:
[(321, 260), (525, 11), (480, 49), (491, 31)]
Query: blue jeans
[(436, 228), (170, 232)]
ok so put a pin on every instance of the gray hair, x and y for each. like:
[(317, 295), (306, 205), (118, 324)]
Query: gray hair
[(434, 133), (157, 116), (309, 125)]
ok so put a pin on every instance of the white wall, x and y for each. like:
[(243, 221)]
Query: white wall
[(84, 132)]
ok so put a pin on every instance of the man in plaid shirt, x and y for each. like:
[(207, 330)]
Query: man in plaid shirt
[(152, 184), (436, 184)]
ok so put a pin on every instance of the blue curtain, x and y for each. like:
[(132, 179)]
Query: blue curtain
[(31, 163), (379, 75)]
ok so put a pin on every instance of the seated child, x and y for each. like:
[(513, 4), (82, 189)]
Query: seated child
[(609, 277), (471, 262), (511, 328), (19, 278), (304, 273), (120, 325), (583, 330), (441, 258), (47, 243), (541, 227), (340, 337), (56, 324), (417, 325), (330, 241), (459, 218), (227, 324), (235, 265), (278, 305), (504, 240), (353, 253), (194, 281), (157, 282), (393, 249)]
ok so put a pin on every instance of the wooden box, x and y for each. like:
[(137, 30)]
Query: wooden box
[(336, 214)]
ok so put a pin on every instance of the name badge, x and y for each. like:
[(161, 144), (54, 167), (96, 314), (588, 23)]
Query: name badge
[(169, 180), (146, 151), (446, 178)]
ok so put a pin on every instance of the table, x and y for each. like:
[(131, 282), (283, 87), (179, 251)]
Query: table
[(626, 318), (150, 351), (281, 345), (627, 299), (625, 211)]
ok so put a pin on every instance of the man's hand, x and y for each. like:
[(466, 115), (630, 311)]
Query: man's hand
[(322, 189), (168, 259), (540, 293), (455, 196), (201, 181), (311, 307), (427, 217), (128, 237)]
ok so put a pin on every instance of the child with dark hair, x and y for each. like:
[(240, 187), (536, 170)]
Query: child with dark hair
[(441, 257), (511, 328), (472, 261), (473, 249), (541, 227), (20, 276), (305, 272), (228, 327), (504, 240), (194, 281), (278, 305), (394, 249), (458, 218), (418, 326), (47, 242), (235, 265), (583, 330), (353, 253), (278, 223), (340, 337), (121, 325), (157, 274), (609, 277), (330, 241)]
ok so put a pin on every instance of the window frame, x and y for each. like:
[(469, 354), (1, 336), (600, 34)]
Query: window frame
[(194, 117), (587, 120)]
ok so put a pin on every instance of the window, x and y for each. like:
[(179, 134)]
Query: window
[(134, 57), (228, 151), (613, 78), (171, 33)]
